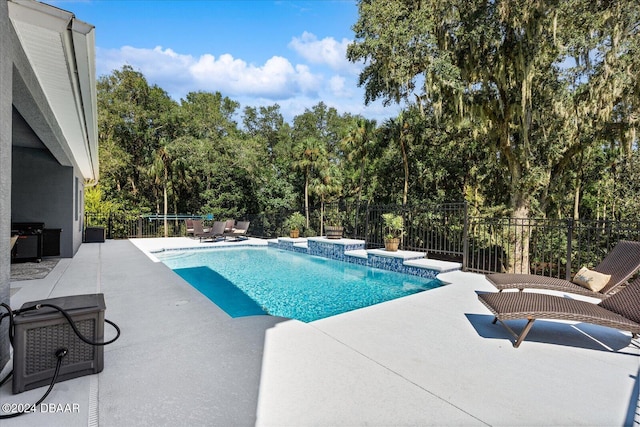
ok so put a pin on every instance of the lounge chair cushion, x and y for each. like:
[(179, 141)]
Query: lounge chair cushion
[(591, 279)]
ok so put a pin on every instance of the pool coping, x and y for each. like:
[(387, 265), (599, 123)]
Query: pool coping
[(433, 358), (405, 262)]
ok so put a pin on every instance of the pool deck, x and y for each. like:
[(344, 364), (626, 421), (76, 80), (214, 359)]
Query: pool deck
[(432, 358)]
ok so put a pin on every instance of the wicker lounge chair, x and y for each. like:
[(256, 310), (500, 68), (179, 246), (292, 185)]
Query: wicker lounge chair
[(239, 231), (620, 263), (229, 224), (188, 223), (198, 228), (619, 311), (216, 230)]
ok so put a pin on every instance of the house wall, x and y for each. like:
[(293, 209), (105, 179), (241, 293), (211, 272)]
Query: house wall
[(6, 68), (45, 178), (34, 185), (45, 191)]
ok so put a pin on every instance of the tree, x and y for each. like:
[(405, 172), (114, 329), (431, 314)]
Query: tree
[(397, 131), (267, 127), (310, 155), (159, 171), (133, 119), (357, 145), (316, 145), (328, 185), (497, 67), (222, 159)]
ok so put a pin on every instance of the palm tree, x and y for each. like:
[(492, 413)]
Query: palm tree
[(358, 144), (327, 183), (159, 171), (398, 130), (309, 155)]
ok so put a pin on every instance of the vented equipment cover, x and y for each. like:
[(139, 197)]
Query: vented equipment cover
[(38, 334)]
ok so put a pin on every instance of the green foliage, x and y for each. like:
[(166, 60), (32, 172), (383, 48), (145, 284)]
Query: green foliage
[(94, 202), (393, 225), (333, 217), (502, 72), (295, 221), (309, 232), (479, 125)]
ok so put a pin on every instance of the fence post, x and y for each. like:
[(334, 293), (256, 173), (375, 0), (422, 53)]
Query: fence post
[(110, 227), (567, 273), (465, 237)]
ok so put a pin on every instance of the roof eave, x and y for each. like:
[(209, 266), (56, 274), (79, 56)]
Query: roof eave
[(71, 59)]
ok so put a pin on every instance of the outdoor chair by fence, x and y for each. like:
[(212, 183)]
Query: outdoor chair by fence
[(188, 223), (621, 263), (198, 228), (239, 231), (216, 230), (619, 311)]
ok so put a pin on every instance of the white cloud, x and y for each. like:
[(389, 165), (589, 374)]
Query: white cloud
[(327, 51), (276, 79), (337, 86), (294, 87)]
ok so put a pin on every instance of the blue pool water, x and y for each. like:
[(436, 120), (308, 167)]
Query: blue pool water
[(248, 281)]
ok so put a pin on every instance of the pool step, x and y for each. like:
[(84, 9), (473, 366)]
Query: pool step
[(353, 251), (358, 253), (434, 264)]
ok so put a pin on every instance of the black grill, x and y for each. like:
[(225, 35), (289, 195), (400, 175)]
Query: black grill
[(29, 244)]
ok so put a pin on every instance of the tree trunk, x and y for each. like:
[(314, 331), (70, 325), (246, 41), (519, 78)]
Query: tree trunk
[(576, 201), (361, 183), (175, 210), (405, 163), (518, 230), (306, 197), (321, 216), (519, 234), (166, 228)]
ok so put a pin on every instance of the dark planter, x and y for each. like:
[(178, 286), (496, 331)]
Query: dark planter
[(94, 235)]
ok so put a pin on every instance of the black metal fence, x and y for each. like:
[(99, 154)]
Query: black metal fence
[(440, 230), (556, 248), (125, 226)]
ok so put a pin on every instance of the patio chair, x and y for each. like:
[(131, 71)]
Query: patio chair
[(199, 228), (189, 226), (619, 311), (216, 230), (621, 263), (229, 225), (239, 231)]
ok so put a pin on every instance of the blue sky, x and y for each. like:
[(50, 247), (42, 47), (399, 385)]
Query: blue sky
[(257, 52)]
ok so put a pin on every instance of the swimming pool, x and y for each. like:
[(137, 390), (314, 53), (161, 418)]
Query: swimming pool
[(248, 281)]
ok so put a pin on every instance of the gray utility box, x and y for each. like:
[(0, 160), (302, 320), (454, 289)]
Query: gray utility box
[(38, 334)]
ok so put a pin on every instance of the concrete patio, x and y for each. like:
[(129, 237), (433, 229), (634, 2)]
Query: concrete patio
[(433, 358)]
